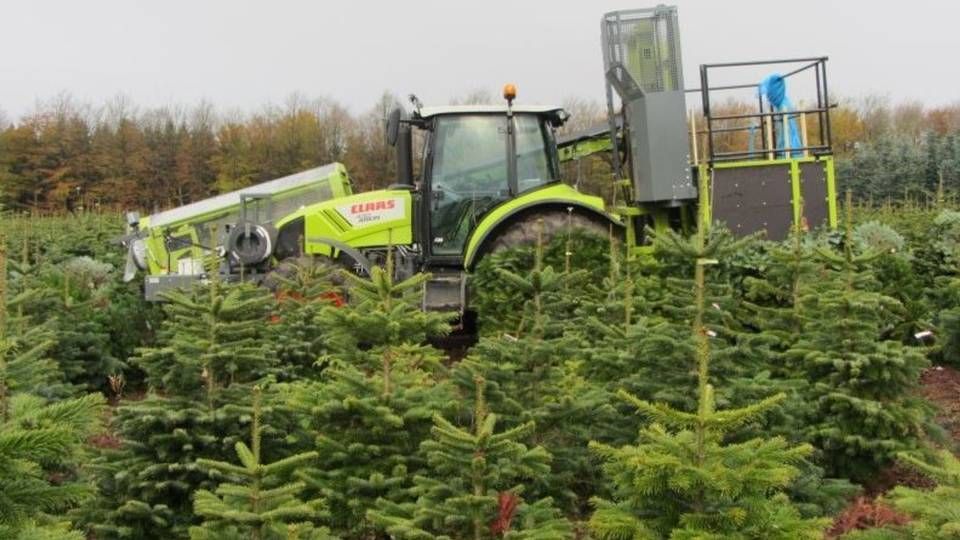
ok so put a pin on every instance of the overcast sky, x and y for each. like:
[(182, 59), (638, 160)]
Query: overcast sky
[(244, 54)]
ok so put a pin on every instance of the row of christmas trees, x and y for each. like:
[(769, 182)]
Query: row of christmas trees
[(758, 396)]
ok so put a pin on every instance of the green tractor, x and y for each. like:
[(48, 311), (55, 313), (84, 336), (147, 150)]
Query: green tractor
[(489, 174)]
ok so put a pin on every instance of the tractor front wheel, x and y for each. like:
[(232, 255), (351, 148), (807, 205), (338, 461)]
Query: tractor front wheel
[(524, 231), (307, 277)]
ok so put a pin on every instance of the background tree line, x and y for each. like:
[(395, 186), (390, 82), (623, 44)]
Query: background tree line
[(67, 154)]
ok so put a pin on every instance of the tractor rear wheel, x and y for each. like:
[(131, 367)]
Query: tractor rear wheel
[(555, 223)]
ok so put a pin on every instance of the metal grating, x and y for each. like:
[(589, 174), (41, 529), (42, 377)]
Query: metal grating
[(646, 42)]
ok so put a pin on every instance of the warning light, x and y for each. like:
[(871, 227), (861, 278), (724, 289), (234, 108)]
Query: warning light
[(509, 92)]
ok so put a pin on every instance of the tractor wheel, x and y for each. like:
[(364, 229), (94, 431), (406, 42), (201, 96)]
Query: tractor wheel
[(295, 273), (524, 231)]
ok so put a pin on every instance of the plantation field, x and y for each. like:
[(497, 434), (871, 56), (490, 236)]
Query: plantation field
[(720, 388)]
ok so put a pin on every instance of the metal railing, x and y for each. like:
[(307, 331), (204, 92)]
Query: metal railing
[(772, 125)]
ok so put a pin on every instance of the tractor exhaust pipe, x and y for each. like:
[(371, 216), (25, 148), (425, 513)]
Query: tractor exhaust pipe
[(400, 136), (405, 156)]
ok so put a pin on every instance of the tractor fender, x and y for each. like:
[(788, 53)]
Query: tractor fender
[(490, 227), (290, 243), (353, 254)]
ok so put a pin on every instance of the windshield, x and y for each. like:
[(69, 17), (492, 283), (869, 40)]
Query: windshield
[(469, 173)]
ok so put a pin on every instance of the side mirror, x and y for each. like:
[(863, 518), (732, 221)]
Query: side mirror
[(393, 126)]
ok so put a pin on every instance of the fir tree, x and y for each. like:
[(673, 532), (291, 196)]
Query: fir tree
[(40, 442), (373, 407), (473, 489), (774, 320), (946, 290), (210, 351), (213, 337), (84, 346), (682, 480), (650, 357), (40, 451), (498, 302), (258, 502), (540, 377), (303, 289), (381, 313), (936, 513), (864, 409), (25, 345), (542, 382)]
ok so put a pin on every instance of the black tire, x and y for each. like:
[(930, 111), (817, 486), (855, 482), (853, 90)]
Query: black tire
[(555, 223), (250, 243), (289, 268)]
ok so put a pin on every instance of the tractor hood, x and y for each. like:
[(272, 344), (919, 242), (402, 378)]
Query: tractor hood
[(376, 218)]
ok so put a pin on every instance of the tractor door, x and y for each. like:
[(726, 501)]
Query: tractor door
[(467, 177)]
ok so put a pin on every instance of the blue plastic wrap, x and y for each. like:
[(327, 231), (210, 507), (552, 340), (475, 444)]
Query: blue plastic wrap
[(774, 89)]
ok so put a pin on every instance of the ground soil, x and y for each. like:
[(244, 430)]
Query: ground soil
[(940, 385)]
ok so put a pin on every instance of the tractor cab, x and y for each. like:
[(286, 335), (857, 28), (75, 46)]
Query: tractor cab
[(474, 158)]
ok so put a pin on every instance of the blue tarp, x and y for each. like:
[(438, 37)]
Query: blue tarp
[(774, 89)]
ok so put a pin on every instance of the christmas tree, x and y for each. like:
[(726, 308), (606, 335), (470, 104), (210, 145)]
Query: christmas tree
[(303, 289), (862, 380), (499, 303), (81, 308), (935, 512), (382, 312), (40, 442), (258, 502), (374, 405), (541, 381), (210, 351), (537, 374), (774, 320), (474, 486), (650, 356), (40, 452), (682, 479)]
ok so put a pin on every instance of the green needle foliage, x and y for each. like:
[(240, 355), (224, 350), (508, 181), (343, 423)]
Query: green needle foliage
[(303, 289), (936, 512), (496, 299), (543, 291), (213, 337), (210, 352), (41, 443), (542, 382), (257, 502), (367, 427), (40, 452), (863, 381), (682, 480), (375, 401), (381, 313), (473, 489)]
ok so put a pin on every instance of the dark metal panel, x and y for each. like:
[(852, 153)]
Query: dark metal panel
[(813, 186), (755, 198), (659, 145)]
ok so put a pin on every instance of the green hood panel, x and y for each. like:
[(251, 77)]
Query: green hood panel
[(371, 219)]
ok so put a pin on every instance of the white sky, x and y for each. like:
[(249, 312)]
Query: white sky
[(244, 54)]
